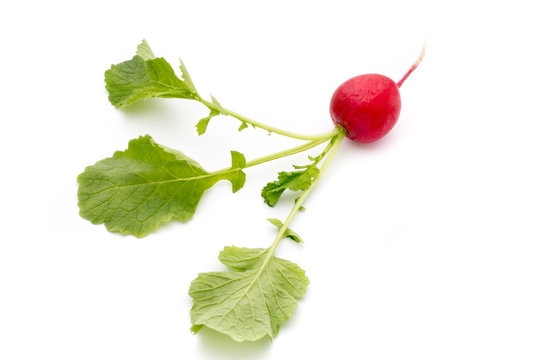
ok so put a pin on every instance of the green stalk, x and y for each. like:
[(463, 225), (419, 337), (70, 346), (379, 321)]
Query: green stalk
[(295, 150), (336, 141), (268, 128), (291, 151), (338, 138)]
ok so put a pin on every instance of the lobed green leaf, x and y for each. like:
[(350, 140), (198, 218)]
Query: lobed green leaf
[(294, 181)]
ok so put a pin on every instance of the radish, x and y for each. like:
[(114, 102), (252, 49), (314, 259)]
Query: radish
[(147, 185), (367, 106)]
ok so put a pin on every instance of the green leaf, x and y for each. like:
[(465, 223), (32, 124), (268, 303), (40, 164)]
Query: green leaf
[(243, 126), (146, 76), (238, 162), (144, 51), (202, 125), (288, 233), (137, 190), (252, 300), (294, 181), (139, 79), (215, 110), (187, 77), (217, 105)]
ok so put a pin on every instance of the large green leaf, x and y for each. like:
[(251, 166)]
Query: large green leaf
[(139, 189), (252, 300)]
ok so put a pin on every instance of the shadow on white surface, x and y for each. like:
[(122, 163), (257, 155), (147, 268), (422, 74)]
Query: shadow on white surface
[(216, 345), (156, 114)]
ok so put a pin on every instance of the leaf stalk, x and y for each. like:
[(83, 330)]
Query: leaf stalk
[(337, 139), (268, 128)]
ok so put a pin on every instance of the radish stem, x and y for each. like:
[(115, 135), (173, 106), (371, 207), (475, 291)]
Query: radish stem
[(268, 128), (337, 139), (330, 136)]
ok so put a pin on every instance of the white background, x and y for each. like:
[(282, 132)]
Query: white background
[(424, 245)]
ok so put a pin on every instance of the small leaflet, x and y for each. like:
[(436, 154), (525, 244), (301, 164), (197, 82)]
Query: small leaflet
[(293, 181), (243, 126), (144, 51), (288, 233), (202, 125)]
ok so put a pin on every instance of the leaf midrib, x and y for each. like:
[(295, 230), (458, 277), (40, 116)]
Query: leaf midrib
[(188, 179), (250, 285)]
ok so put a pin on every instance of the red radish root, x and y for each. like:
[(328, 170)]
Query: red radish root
[(368, 106)]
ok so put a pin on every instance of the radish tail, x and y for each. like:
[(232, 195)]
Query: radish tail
[(400, 82)]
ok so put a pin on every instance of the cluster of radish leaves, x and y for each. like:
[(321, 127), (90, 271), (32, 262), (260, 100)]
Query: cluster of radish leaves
[(138, 189), (147, 185)]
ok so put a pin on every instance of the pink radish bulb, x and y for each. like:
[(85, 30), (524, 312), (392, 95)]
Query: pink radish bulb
[(368, 106)]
